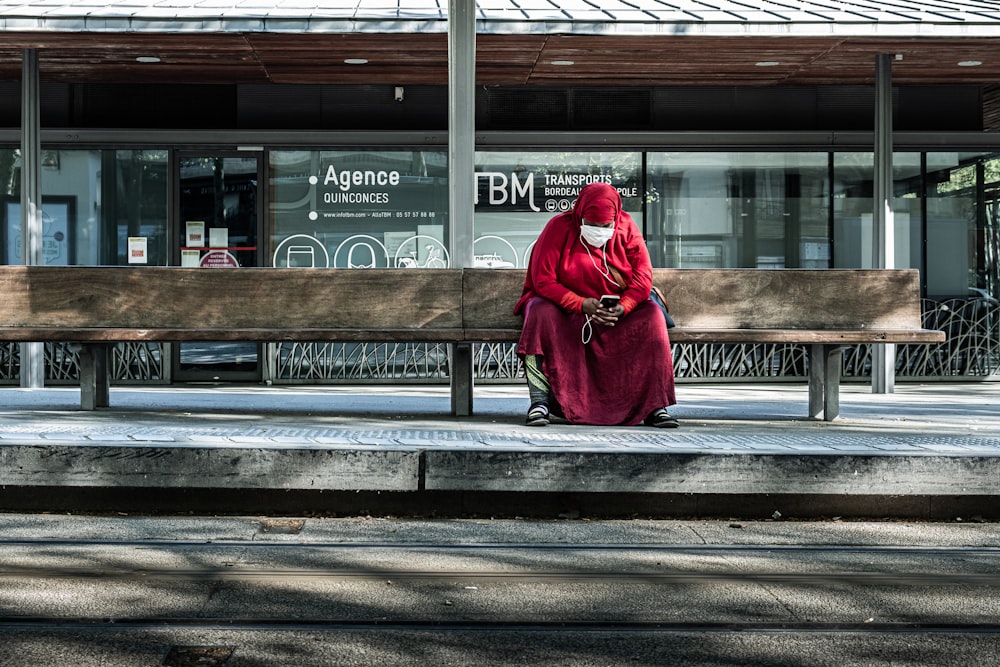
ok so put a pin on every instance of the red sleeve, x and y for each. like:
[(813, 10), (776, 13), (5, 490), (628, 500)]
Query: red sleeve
[(543, 269), (637, 254)]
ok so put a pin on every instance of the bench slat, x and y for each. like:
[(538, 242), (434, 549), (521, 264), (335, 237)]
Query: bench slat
[(743, 305), (446, 305), (848, 337), (687, 335), (489, 298), (792, 298), (191, 299), (31, 334)]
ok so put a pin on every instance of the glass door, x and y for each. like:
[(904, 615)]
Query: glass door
[(219, 218)]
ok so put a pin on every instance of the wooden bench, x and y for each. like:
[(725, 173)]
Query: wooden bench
[(100, 306), (825, 310)]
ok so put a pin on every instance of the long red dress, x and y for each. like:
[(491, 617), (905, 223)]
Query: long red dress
[(624, 372)]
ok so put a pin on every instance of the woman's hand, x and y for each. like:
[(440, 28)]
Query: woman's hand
[(600, 314)]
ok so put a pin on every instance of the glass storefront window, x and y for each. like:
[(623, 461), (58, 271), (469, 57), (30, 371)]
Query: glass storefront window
[(517, 192), (963, 230), (721, 210), (988, 274), (853, 210), (359, 208), (135, 202), (217, 209), (93, 202)]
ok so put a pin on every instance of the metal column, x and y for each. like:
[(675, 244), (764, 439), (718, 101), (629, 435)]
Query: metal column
[(32, 354), (883, 356), (461, 173)]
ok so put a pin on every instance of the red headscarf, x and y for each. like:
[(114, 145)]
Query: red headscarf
[(566, 270), (598, 202)]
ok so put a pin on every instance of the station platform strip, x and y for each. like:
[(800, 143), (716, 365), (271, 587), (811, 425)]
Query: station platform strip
[(925, 451)]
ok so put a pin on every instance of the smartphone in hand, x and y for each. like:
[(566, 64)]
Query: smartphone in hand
[(609, 301)]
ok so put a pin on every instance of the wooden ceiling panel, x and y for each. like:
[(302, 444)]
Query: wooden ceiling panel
[(521, 59), (392, 59), (326, 73), (507, 59), (671, 60), (111, 58), (922, 62)]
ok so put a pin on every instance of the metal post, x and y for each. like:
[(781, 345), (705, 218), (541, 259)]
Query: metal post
[(883, 356), (32, 354), (461, 128), (461, 173)]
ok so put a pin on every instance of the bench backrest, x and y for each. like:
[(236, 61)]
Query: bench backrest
[(263, 300), (153, 297), (793, 298), (739, 298)]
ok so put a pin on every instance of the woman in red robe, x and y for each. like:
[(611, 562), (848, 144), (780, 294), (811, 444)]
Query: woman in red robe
[(588, 363)]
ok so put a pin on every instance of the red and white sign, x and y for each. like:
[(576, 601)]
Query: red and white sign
[(136, 250), (218, 259)]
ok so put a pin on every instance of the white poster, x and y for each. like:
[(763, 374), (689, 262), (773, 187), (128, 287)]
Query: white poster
[(137, 250), (195, 233), (218, 237), (190, 258)]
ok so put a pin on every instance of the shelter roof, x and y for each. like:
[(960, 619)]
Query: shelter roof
[(608, 42), (717, 17)]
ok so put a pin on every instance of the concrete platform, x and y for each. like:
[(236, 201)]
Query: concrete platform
[(925, 443)]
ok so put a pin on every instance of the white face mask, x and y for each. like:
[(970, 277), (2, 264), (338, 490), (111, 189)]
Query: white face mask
[(596, 236)]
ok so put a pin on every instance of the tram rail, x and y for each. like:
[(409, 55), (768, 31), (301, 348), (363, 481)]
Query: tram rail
[(323, 625)]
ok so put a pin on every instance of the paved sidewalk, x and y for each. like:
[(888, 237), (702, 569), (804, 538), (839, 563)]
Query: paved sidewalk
[(922, 440), (916, 418)]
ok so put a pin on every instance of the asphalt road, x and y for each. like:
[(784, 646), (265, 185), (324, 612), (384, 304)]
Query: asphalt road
[(250, 592)]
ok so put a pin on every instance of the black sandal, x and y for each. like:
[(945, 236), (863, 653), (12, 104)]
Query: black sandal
[(662, 419), (538, 415)]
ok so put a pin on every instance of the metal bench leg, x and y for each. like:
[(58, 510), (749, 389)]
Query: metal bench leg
[(461, 379), (824, 380), (817, 380), (833, 358), (95, 385)]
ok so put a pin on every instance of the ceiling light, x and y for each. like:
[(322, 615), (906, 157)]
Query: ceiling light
[(970, 63), (356, 61), (562, 63), (147, 59), (768, 63)]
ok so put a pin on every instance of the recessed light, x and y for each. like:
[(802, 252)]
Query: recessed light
[(147, 59), (356, 61), (970, 63), (563, 63), (768, 63)]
